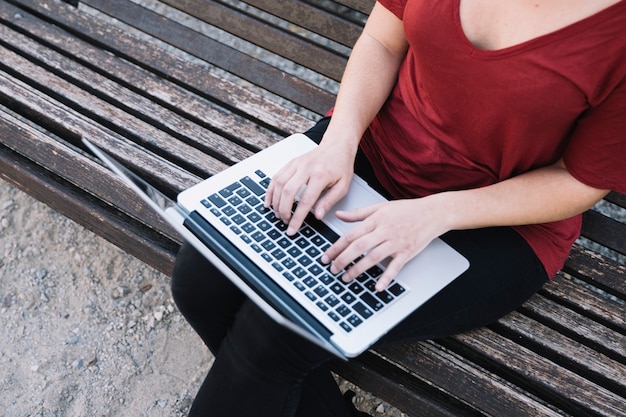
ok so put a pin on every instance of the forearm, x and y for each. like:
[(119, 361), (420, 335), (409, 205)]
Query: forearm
[(369, 77), (540, 196)]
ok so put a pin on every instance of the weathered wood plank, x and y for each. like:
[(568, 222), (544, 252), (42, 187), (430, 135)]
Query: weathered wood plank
[(584, 301), (573, 325), (148, 84), (589, 266), (542, 377), (465, 381), (311, 18), (272, 38), (271, 79), (604, 230), (566, 352), (192, 75), (120, 109)]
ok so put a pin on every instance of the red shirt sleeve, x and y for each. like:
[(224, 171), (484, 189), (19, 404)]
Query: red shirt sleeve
[(394, 6), (596, 152)]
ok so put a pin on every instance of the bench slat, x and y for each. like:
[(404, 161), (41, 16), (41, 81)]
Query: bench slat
[(566, 352), (606, 311), (290, 87), (605, 230), (573, 325), (312, 18), (126, 123), (168, 94), (272, 38), (465, 381), (192, 75), (604, 273), (539, 375)]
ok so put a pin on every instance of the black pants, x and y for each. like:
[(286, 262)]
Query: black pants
[(264, 369)]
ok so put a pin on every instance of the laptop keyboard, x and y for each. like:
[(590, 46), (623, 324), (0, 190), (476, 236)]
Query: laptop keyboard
[(297, 258)]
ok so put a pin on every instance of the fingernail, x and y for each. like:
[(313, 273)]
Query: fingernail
[(291, 231), (325, 259)]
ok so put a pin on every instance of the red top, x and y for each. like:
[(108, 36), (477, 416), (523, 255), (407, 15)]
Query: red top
[(461, 117)]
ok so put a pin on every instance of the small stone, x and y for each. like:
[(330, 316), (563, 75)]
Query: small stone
[(380, 409), (72, 340)]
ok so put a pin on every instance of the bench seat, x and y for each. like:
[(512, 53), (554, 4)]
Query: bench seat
[(179, 90)]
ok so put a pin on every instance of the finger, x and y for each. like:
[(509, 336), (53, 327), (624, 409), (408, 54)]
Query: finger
[(373, 257), (328, 199), (390, 273), (308, 198), (354, 244), (358, 214)]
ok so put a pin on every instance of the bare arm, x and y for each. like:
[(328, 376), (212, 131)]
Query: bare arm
[(369, 77), (540, 196)]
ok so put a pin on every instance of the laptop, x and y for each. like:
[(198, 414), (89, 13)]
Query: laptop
[(224, 219)]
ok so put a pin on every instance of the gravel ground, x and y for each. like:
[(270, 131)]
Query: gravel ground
[(87, 330)]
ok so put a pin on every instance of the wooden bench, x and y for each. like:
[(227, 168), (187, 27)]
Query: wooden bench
[(160, 84)]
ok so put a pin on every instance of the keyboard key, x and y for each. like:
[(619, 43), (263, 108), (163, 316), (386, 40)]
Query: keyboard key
[(396, 289), (299, 272), (343, 310), (243, 192), (310, 282), (355, 287), (278, 254), (268, 245), (354, 320), (217, 200), (348, 297), (248, 228), (372, 302), (284, 242), (265, 182), (321, 306), (254, 217), (320, 291), (258, 236), (244, 209), (253, 186), (305, 260), (302, 243), (294, 252), (331, 300), (385, 297), (334, 316), (316, 270), (363, 310), (289, 263), (336, 287), (313, 252), (238, 219), (346, 327), (228, 191), (228, 210), (235, 200)]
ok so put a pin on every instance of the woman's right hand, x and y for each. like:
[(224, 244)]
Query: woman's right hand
[(325, 173)]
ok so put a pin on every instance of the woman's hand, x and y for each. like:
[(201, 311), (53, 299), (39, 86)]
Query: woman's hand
[(325, 173), (398, 230)]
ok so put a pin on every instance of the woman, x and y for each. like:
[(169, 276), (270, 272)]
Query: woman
[(490, 123)]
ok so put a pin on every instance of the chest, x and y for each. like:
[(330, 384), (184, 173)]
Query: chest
[(499, 24)]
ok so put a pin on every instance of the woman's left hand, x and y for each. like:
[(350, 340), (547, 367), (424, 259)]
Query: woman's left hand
[(398, 230)]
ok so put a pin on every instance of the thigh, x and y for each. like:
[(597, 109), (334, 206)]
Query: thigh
[(504, 272), (204, 296)]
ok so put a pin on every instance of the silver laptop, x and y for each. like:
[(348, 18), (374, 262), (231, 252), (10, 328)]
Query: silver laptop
[(224, 218)]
